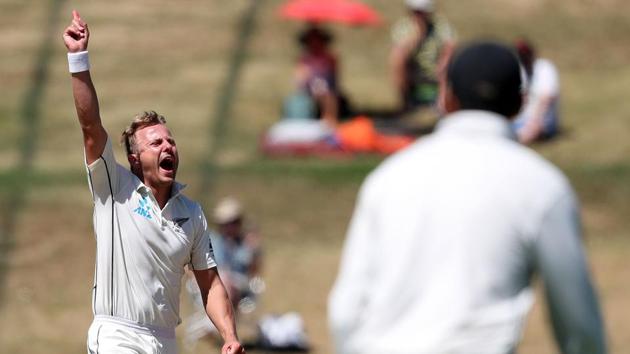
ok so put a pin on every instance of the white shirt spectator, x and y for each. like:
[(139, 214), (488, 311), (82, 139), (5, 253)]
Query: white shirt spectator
[(444, 240), (542, 98)]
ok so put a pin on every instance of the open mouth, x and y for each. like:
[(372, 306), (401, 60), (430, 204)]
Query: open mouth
[(167, 164)]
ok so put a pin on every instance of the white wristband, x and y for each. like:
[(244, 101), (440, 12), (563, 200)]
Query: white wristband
[(78, 62)]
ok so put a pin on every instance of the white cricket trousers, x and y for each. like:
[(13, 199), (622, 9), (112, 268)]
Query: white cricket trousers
[(111, 335)]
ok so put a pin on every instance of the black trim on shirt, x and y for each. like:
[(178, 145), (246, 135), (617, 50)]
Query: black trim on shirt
[(96, 238), (91, 183), (111, 289)]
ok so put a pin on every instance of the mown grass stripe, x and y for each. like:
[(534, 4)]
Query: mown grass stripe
[(29, 114), (223, 105)]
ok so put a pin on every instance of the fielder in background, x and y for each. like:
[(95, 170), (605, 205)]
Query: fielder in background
[(447, 234), (147, 231), (237, 250), (539, 117)]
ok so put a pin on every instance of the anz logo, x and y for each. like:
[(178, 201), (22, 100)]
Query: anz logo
[(144, 209)]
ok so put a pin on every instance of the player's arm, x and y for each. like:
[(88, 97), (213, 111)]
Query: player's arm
[(534, 124), (398, 57), (76, 38), (448, 48), (571, 298), (219, 308)]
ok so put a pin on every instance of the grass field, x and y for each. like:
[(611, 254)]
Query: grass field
[(177, 58)]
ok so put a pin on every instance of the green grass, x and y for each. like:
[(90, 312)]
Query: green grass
[(326, 172), (174, 57)]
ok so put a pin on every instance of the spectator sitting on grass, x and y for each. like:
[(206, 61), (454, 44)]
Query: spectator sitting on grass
[(316, 76), (538, 120)]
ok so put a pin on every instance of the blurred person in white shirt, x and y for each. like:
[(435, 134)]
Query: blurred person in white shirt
[(447, 235), (539, 117)]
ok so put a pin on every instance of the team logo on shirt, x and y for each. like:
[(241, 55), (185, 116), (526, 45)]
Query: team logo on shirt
[(144, 209)]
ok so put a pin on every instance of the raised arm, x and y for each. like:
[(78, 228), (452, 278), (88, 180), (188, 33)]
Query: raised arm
[(219, 308), (398, 69), (76, 37)]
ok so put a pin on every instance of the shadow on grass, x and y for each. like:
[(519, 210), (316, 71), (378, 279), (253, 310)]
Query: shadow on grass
[(29, 114), (335, 171), (606, 184), (228, 91)]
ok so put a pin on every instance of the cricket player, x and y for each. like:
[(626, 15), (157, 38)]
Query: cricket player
[(448, 234), (147, 231)]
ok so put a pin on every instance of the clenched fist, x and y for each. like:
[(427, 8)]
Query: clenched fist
[(76, 36)]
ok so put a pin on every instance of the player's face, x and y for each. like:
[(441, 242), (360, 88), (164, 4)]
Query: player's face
[(157, 155), (232, 229)]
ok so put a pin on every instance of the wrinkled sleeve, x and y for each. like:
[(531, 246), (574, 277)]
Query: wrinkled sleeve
[(104, 175), (202, 256), (572, 301)]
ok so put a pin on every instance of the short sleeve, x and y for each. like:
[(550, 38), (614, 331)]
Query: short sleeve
[(202, 255), (104, 174), (444, 30), (545, 79), (403, 31)]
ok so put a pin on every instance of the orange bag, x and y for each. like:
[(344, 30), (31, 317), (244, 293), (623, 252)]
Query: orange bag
[(360, 135)]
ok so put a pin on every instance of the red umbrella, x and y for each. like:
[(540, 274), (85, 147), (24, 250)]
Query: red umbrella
[(344, 11)]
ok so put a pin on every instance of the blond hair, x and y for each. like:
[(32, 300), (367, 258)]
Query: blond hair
[(141, 120)]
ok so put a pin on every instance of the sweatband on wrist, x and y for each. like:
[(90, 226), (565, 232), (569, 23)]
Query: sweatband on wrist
[(78, 62)]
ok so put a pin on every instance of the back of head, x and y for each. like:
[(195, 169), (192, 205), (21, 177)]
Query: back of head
[(486, 76)]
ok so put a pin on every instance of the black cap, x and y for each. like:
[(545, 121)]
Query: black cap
[(486, 76)]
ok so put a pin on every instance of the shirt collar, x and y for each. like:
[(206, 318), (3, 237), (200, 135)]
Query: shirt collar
[(476, 123), (176, 190)]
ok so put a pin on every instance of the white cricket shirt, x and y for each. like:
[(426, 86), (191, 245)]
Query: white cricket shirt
[(443, 243), (141, 250)]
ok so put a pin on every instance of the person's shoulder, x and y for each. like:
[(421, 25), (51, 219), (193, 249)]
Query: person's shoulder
[(216, 238), (192, 207), (538, 171), (396, 164), (545, 78), (544, 66), (187, 201), (403, 30), (443, 27)]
